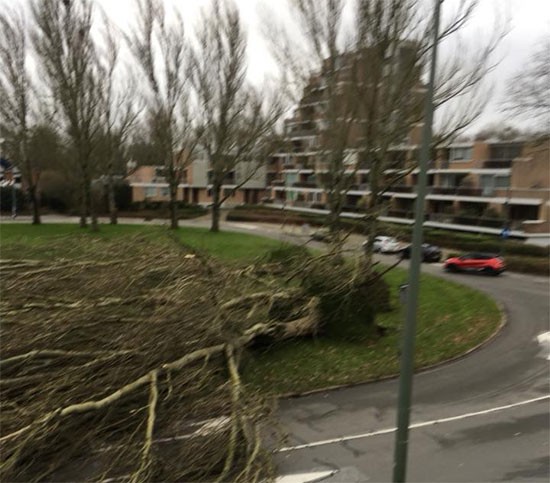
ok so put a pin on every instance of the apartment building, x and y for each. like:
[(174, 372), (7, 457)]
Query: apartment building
[(149, 184), (479, 186)]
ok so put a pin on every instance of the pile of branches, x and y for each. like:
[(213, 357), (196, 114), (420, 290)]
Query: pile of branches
[(121, 363)]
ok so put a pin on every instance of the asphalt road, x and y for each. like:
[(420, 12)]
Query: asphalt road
[(484, 417), (509, 443)]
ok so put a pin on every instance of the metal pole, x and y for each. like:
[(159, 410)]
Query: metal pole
[(407, 356)]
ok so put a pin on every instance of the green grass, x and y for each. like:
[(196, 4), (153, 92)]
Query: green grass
[(34, 239), (451, 319)]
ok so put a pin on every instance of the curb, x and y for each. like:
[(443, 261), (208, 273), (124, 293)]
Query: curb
[(421, 370)]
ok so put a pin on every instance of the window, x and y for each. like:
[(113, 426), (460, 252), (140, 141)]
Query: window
[(460, 154), (505, 152), (502, 181), (150, 191), (164, 192)]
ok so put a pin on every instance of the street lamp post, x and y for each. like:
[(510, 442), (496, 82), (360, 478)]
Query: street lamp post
[(407, 355)]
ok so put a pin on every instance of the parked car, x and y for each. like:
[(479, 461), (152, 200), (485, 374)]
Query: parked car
[(476, 262), (430, 253), (385, 244)]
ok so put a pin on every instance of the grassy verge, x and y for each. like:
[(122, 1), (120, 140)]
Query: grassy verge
[(452, 318), (20, 241)]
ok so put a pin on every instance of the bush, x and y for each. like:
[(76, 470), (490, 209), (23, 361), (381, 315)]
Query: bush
[(287, 255), (531, 265), (58, 193), (477, 243), (6, 198), (123, 196), (347, 310), (466, 242)]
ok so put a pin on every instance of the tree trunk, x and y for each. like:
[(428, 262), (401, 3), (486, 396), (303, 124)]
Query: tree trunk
[(173, 205), (35, 205), (372, 220), (215, 227), (84, 206), (113, 213), (90, 205)]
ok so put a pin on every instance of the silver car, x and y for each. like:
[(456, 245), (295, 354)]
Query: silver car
[(385, 244)]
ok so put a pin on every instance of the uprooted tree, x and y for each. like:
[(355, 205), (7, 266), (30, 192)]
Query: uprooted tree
[(117, 367)]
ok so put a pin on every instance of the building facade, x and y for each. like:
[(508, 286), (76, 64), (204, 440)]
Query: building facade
[(246, 184), (480, 186)]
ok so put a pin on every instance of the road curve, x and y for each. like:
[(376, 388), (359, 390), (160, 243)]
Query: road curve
[(509, 370)]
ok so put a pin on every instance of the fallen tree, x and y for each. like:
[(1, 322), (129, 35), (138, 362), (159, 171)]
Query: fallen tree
[(122, 361), (116, 363)]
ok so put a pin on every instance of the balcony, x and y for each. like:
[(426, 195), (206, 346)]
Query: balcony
[(402, 189), (456, 191), (401, 214), (278, 182), (304, 132), (497, 164), (305, 184), (485, 222), (359, 187)]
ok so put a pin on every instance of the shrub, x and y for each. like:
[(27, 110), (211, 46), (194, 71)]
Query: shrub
[(58, 193), (6, 199), (347, 309), (287, 255), (123, 195), (531, 265)]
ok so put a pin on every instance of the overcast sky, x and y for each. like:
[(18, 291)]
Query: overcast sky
[(529, 23)]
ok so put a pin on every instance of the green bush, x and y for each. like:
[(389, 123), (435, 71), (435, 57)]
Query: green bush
[(6, 198), (469, 243), (288, 255), (347, 310), (531, 265), (462, 241)]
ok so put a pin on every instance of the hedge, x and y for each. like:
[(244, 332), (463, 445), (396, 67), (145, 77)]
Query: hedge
[(465, 242)]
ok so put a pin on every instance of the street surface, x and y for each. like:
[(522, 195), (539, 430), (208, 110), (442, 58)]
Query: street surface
[(484, 417)]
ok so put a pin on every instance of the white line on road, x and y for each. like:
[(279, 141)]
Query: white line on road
[(412, 426), (305, 477)]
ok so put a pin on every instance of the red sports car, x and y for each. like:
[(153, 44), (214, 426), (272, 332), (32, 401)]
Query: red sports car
[(476, 262)]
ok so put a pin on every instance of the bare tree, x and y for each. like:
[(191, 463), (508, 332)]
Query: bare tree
[(119, 111), (237, 122), (67, 54), (320, 64), (528, 92), (380, 49), (16, 98), (159, 46), (397, 42)]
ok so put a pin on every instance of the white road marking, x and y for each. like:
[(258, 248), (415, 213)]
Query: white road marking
[(304, 477), (412, 426), (544, 341)]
